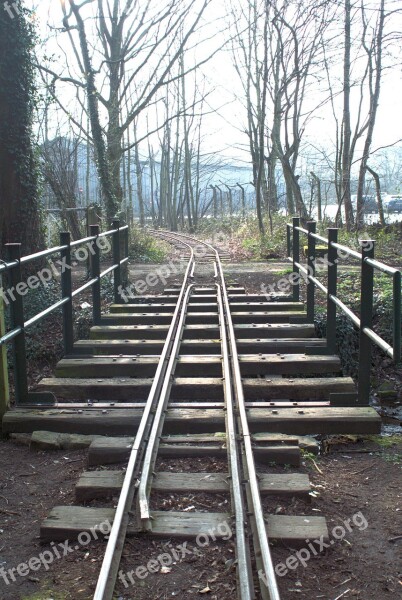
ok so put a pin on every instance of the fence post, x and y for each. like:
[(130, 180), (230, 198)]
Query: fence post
[(4, 387), (288, 241), (125, 251), (296, 259), (366, 320), (332, 287), (95, 272), (66, 292), (116, 261), (17, 320), (311, 227), (397, 317)]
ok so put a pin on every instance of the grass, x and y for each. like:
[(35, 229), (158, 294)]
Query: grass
[(395, 459), (46, 595), (385, 441), (145, 248)]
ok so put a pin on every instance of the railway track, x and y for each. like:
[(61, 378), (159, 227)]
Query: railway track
[(161, 376)]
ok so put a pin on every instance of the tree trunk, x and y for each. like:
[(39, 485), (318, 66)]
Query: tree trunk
[(346, 154), (376, 178)]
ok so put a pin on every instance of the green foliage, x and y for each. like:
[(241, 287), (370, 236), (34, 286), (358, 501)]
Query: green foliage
[(394, 459), (145, 248), (35, 302), (347, 340), (388, 240), (19, 173), (271, 246)]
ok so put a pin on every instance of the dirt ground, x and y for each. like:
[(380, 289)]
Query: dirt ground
[(356, 486), (348, 483)]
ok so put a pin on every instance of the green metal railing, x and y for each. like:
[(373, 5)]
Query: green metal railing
[(368, 265), (12, 268)]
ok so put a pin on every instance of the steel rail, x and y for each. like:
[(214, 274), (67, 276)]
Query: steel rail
[(158, 422), (263, 554), (245, 576), (111, 560), (267, 578)]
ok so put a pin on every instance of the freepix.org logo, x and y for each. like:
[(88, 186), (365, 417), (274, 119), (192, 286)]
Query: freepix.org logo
[(11, 8)]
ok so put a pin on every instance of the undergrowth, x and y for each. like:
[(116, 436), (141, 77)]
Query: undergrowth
[(143, 247)]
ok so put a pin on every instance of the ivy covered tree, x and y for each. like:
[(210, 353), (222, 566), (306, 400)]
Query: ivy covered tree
[(19, 205)]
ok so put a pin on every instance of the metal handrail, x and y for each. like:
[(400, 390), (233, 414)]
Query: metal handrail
[(18, 323), (368, 266)]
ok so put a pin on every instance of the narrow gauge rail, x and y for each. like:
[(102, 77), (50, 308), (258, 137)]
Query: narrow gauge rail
[(144, 372), (246, 499)]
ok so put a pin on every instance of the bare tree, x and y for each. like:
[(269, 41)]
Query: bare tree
[(133, 42)]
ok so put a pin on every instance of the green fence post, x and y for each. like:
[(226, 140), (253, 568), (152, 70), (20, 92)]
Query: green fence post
[(66, 292), (397, 317), (95, 272), (296, 259), (288, 241), (311, 227), (4, 387), (17, 320), (366, 320), (116, 261), (332, 287)]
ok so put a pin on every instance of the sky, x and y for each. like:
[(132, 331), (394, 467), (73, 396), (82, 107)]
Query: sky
[(224, 130)]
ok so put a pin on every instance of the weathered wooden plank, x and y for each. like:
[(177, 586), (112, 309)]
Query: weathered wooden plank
[(144, 318), (259, 298), (295, 484), (197, 366), (250, 331), (158, 318), (190, 525), (126, 332), (292, 530), (330, 419), (98, 484), (146, 347), (315, 389), (133, 309), (205, 388), (200, 346), (265, 307), (116, 449), (245, 317), (172, 299), (67, 522), (280, 454), (274, 330), (295, 530)]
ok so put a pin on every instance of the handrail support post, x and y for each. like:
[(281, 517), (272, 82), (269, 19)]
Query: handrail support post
[(95, 274), (366, 320), (296, 259), (311, 256), (116, 261), (17, 320), (66, 292), (332, 288)]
